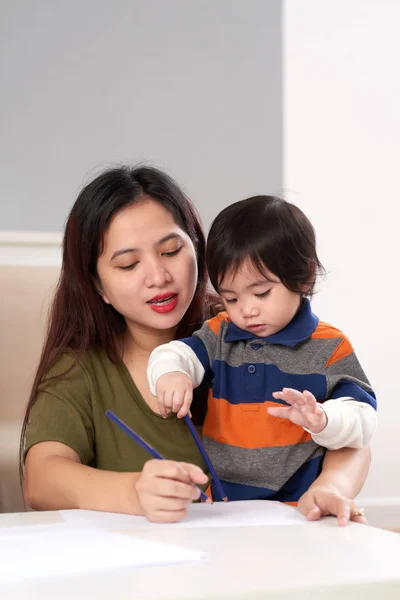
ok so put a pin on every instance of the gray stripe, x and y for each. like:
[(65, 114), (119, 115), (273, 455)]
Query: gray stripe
[(349, 369), (310, 356), (209, 339), (261, 467)]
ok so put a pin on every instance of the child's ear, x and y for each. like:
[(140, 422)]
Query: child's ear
[(313, 269), (308, 287)]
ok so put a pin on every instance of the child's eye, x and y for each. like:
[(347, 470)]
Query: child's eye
[(230, 301), (263, 295), (129, 267), (173, 252)]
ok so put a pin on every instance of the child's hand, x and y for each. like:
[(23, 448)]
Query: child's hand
[(174, 393), (304, 410)]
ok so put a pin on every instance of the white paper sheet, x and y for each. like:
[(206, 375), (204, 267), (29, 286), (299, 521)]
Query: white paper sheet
[(220, 514), (42, 552)]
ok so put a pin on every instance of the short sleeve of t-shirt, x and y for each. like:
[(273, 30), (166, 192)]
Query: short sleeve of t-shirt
[(71, 408), (62, 411)]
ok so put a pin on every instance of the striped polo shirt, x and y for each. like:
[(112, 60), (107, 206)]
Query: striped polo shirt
[(256, 455)]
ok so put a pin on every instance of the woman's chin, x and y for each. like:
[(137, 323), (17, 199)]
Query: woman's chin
[(164, 322), (154, 320)]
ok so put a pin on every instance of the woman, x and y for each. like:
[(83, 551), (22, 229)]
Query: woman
[(133, 277)]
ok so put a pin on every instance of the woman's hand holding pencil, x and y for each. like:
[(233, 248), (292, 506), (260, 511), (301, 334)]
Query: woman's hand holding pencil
[(165, 488)]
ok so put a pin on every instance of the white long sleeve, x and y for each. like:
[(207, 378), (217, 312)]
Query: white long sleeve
[(175, 356), (351, 424)]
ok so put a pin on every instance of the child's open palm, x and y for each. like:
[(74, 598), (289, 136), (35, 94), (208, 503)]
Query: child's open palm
[(303, 409)]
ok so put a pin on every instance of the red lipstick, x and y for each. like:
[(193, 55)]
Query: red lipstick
[(163, 303)]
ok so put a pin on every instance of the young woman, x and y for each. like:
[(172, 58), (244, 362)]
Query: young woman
[(133, 277)]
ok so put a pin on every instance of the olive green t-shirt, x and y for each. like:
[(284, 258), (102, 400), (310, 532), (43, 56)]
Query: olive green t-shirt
[(71, 410)]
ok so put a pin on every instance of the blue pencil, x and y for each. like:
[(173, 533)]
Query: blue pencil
[(146, 446), (206, 458)]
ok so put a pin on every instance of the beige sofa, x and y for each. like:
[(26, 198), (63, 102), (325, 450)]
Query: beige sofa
[(26, 292)]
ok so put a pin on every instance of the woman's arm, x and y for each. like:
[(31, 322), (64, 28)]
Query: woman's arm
[(343, 476), (55, 479), (347, 469)]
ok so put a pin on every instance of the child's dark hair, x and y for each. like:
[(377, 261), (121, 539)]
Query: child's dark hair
[(273, 234)]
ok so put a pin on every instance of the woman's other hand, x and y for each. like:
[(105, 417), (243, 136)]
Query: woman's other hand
[(323, 500)]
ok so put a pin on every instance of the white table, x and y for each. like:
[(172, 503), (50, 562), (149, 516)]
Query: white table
[(314, 561)]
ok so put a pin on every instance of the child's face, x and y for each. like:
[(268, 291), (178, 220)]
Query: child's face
[(257, 304)]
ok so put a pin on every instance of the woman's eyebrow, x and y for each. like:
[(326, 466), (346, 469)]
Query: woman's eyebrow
[(170, 236), (123, 251)]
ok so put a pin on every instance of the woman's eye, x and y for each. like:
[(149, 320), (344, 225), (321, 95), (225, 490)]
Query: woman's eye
[(263, 294), (231, 300), (173, 252), (129, 267)]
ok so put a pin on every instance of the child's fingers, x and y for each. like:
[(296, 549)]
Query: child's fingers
[(163, 410), (187, 401), (160, 403), (281, 396), (277, 411), (177, 400), (310, 398), (168, 401), (292, 397), (311, 403)]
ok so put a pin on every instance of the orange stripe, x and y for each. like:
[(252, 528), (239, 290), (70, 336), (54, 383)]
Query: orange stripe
[(249, 425), (343, 350), (326, 331), (208, 492), (215, 323)]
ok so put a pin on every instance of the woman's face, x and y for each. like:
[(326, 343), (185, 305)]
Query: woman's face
[(148, 268)]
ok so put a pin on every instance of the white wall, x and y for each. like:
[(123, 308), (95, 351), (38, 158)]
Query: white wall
[(341, 157), (194, 87)]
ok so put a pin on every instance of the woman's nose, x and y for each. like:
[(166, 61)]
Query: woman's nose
[(157, 275)]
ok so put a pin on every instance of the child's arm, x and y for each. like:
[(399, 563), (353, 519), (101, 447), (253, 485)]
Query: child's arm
[(348, 417), (339, 423), (176, 368), (172, 372)]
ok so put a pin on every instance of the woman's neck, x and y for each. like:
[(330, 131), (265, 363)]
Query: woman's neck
[(142, 342)]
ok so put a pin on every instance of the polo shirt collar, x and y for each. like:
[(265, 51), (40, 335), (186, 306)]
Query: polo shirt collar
[(298, 330)]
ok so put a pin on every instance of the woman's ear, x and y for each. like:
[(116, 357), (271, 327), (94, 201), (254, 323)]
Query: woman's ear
[(99, 289)]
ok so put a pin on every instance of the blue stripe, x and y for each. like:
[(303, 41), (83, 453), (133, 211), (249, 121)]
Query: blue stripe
[(292, 491), (199, 349), (299, 483), (255, 382), (348, 388)]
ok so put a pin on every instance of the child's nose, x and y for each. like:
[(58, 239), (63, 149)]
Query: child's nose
[(249, 310)]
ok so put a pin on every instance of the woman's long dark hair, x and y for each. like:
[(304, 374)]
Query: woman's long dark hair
[(79, 319)]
